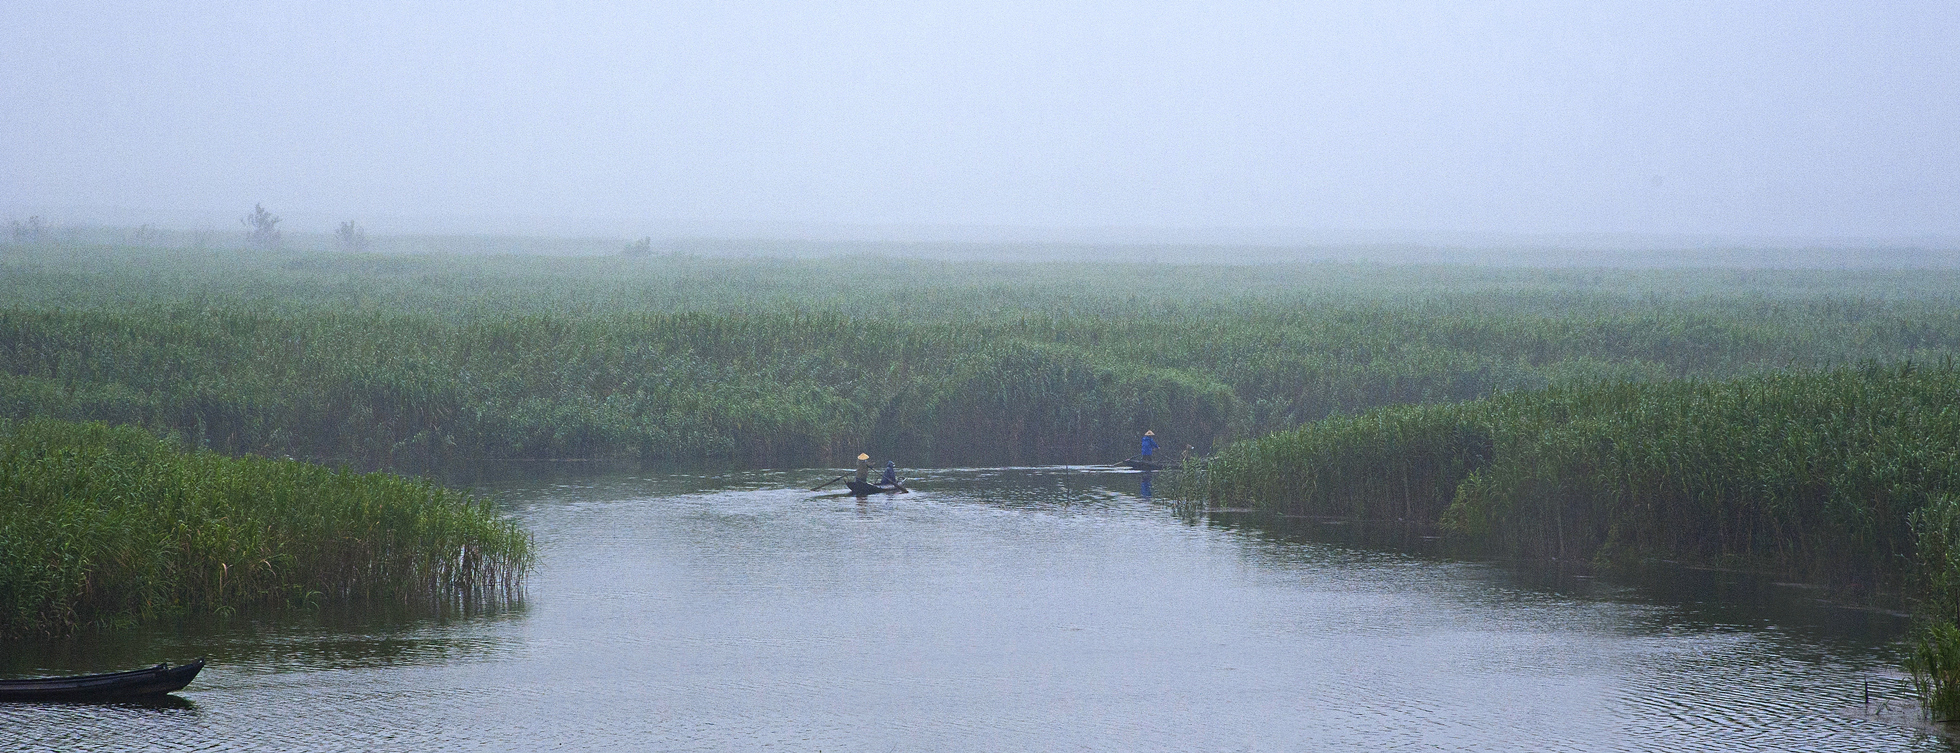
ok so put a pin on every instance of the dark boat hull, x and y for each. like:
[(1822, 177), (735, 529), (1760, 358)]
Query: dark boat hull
[(861, 488), (1143, 465), (112, 686)]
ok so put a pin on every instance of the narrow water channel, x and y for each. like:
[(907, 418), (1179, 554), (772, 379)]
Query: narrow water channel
[(998, 610)]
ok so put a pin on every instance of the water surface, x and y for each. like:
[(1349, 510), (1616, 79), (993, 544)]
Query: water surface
[(1022, 609)]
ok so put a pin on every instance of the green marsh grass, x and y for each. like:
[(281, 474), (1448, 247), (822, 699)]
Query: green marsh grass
[(1832, 475), (1718, 417), (426, 362), (100, 525), (1934, 663), (1846, 477)]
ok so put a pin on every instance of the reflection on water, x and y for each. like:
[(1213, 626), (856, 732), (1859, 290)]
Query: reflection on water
[(285, 640), (1005, 609)]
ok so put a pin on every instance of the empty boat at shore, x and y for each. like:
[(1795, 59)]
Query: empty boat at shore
[(110, 686)]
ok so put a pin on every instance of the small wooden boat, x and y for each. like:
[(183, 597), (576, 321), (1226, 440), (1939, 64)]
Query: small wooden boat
[(1142, 465), (111, 686), (861, 488)]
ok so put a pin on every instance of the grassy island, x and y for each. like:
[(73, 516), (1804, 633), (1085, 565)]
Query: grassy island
[(100, 525)]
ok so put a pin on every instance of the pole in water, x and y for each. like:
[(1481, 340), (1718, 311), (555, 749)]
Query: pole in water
[(1868, 692)]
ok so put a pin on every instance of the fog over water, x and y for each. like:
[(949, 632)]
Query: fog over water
[(1784, 119)]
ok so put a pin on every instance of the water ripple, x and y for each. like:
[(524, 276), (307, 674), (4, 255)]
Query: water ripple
[(1038, 609)]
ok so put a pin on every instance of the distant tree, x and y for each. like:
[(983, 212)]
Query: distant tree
[(145, 236), (641, 247), (352, 237), (261, 227), (34, 230)]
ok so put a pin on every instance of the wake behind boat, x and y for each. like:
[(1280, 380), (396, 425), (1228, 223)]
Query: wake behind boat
[(109, 686)]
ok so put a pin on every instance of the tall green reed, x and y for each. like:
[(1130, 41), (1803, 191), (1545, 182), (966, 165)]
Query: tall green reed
[(100, 524), (1809, 473), (427, 362)]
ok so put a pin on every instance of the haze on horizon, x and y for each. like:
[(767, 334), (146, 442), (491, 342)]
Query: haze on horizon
[(1787, 119)]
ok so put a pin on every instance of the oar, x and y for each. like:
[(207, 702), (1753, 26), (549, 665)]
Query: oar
[(827, 483)]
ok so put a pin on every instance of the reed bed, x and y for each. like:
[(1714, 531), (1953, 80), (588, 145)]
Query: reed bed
[(1847, 477), (432, 362), (1832, 475), (101, 525), (1769, 420)]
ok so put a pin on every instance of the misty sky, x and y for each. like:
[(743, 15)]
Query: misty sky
[(1773, 118)]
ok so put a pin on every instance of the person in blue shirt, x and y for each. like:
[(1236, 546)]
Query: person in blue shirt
[(1149, 444), (891, 474)]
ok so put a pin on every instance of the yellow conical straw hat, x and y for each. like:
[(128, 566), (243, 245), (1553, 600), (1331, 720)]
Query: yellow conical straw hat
[(862, 456)]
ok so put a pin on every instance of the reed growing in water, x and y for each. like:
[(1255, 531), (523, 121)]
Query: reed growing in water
[(1598, 428), (1813, 474), (1849, 477), (1934, 663), (426, 362), (103, 524)]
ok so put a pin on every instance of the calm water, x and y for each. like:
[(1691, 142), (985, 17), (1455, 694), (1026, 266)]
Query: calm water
[(1037, 609)]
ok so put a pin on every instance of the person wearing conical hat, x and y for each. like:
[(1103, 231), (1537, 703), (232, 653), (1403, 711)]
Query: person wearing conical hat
[(1149, 444), (864, 467)]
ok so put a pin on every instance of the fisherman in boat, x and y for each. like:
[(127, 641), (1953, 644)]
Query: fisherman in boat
[(1149, 444), (891, 474), (864, 468)]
